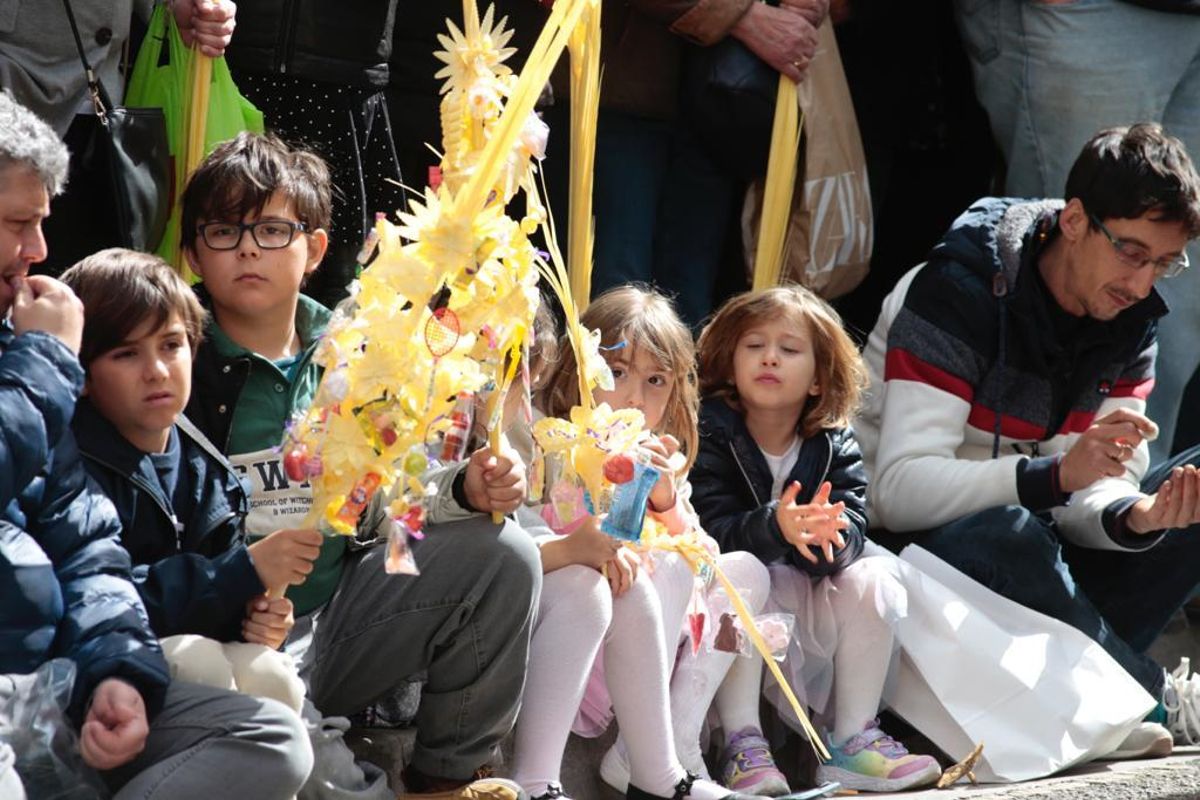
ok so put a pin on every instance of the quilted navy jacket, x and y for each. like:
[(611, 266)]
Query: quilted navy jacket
[(194, 573), (65, 588)]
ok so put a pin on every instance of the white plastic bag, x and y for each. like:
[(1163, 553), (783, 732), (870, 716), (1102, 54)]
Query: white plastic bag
[(33, 723), (978, 667)]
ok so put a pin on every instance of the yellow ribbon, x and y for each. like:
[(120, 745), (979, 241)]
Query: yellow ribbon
[(697, 555)]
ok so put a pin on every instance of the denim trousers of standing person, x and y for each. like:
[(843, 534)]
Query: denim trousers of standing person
[(1052, 75), (632, 155), (209, 742), (694, 220), (464, 621), (662, 211), (1121, 599)]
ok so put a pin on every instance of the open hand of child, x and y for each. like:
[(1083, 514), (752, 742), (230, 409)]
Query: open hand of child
[(622, 571), (116, 727), (812, 527), (284, 558), (495, 482), (662, 496), (268, 621)]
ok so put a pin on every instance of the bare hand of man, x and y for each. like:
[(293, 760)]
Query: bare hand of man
[(780, 36), (41, 303), (208, 23), (1102, 450), (1176, 504)]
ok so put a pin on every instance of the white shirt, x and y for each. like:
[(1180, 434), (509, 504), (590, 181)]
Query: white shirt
[(781, 466)]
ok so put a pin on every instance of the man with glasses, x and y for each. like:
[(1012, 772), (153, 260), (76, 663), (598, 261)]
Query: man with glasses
[(1005, 428)]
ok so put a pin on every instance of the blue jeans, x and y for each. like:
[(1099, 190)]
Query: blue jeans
[(1051, 76), (662, 210), (1121, 599)]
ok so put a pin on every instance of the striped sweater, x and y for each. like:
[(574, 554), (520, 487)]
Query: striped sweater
[(980, 382)]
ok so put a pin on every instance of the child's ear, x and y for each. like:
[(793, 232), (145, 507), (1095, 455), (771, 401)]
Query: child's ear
[(318, 243), (193, 262), (814, 388)]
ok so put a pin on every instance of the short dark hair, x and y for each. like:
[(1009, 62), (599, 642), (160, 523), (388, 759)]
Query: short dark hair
[(120, 290), (240, 176), (1125, 173)]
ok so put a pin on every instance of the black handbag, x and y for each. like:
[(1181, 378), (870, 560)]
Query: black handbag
[(728, 96), (130, 147)]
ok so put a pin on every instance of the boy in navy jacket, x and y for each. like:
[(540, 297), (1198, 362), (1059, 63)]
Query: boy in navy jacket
[(181, 504)]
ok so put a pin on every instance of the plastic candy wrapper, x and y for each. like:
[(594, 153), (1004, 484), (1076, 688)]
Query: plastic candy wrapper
[(627, 508), (399, 559), (456, 436), (776, 631), (33, 722), (697, 617), (729, 636), (567, 506)]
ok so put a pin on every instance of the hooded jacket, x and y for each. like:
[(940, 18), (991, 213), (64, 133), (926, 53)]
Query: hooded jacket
[(974, 331), (731, 488), (195, 574), (64, 577)]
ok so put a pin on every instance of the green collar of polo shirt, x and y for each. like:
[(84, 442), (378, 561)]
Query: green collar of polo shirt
[(311, 320)]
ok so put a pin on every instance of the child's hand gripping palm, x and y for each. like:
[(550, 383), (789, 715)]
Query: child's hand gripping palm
[(814, 527)]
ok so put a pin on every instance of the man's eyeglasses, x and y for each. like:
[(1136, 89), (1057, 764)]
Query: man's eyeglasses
[(269, 234), (1137, 256)]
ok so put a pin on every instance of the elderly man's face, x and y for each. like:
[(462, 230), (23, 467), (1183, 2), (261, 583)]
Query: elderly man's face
[(24, 203)]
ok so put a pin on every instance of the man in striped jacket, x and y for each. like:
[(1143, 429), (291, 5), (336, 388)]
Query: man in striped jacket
[(1005, 426)]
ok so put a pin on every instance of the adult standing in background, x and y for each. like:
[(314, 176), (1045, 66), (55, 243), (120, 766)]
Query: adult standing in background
[(317, 70), (1045, 72), (39, 66), (663, 206)]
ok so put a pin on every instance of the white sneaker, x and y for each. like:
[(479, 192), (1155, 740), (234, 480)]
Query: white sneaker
[(1181, 698), (1147, 740)]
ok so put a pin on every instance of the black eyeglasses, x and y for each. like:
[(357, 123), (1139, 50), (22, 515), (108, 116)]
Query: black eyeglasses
[(269, 234), (1137, 256)]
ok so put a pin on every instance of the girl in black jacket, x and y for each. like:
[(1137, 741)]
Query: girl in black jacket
[(780, 474)]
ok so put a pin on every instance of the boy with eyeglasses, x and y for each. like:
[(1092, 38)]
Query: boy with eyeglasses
[(254, 221), (1005, 429)]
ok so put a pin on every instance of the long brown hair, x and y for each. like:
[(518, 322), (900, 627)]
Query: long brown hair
[(840, 372), (645, 320)]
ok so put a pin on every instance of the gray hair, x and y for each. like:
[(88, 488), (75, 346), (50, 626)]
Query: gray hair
[(25, 140)]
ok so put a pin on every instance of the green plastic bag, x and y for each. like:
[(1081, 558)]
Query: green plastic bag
[(162, 77)]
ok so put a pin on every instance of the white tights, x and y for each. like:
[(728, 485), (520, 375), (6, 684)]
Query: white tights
[(864, 650), (575, 613)]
